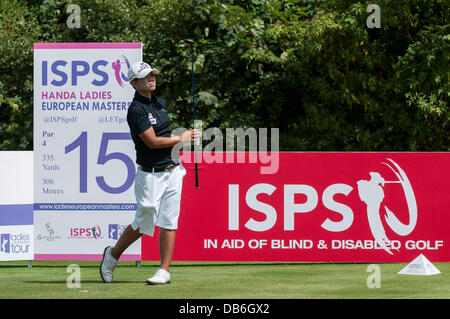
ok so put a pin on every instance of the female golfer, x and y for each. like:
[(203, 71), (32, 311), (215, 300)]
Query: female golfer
[(159, 177)]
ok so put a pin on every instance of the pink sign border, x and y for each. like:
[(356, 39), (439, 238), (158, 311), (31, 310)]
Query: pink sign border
[(89, 45), (88, 257)]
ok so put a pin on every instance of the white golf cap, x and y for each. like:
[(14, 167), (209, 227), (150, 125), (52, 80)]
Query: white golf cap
[(140, 70)]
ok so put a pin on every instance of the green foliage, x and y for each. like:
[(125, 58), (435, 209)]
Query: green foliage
[(312, 68), (16, 67)]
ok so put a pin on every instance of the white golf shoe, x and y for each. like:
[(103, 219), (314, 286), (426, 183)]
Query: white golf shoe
[(161, 277), (108, 265)]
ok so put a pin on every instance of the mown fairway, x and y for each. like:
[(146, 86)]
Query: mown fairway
[(200, 280)]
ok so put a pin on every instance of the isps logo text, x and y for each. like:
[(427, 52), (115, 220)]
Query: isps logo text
[(371, 192), (98, 73), (86, 232)]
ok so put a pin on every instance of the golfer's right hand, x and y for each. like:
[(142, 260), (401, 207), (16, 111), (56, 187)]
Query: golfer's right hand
[(191, 135)]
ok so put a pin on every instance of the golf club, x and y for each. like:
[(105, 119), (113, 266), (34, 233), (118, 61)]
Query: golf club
[(190, 43)]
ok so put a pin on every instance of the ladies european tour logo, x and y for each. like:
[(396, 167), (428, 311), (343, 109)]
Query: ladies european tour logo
[(371, 192), (5, 243)]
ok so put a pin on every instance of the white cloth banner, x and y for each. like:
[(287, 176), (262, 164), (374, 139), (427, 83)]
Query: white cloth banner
[(16, 205)]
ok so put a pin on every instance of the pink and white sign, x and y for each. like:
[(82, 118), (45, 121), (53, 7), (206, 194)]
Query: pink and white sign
[(323, 207), (84, 159)]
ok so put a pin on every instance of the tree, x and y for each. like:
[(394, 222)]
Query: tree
[(312, 68)]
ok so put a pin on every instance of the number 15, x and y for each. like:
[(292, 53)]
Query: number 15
[(81, 142)]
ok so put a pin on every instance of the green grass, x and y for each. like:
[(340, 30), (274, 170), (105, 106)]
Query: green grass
[(201, 280)]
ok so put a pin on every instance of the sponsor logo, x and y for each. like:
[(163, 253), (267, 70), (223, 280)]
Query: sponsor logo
[(117, 70), (15, 243), (86, 232), (151, 118), (371, 192), (50, 236), (115, 230), (61, 72), (5, 240)]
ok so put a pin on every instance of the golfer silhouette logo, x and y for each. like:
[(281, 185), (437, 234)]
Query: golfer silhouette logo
[(96, 232), (371, 192), (117, 67)]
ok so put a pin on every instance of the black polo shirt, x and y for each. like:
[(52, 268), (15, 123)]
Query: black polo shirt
[(144, 113)]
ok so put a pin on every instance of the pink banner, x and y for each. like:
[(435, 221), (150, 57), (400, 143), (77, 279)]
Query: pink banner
[(314, 207)]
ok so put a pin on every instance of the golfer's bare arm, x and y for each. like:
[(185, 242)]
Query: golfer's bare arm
[(152, 141)]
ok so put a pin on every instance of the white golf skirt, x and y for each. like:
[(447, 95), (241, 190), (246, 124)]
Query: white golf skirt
[(158, 197)]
